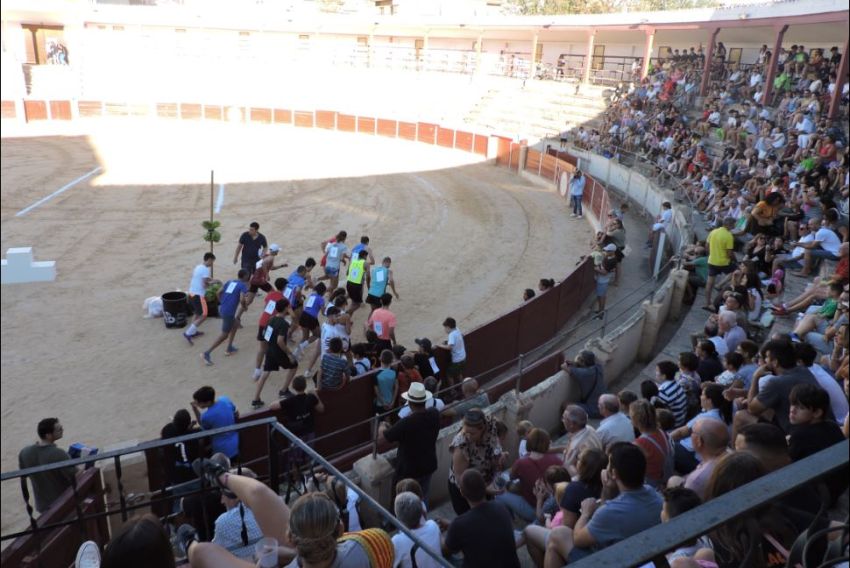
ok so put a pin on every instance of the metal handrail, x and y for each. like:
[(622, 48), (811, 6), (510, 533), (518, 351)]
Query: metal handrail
[(649, 544)]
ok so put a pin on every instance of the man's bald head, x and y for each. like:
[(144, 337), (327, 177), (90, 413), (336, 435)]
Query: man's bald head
[(713, 433), (609, 404), (469, 387)]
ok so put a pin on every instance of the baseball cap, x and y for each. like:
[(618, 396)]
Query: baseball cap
[(274, 248), (610, 248), (424, 343)]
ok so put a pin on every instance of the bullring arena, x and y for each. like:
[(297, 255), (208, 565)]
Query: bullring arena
[(451, 138)]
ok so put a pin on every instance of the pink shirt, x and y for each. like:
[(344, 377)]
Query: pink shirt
[(381, 322)]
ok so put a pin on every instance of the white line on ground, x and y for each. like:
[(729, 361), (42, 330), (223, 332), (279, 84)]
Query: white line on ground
[(220, 200), (62, 189)]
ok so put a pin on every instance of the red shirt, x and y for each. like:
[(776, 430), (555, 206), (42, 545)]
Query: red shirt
[(654, 458), (842, 269), (528, 471), (271, 298)]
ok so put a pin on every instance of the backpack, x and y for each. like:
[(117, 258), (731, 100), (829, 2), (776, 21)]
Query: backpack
[(667, 469)]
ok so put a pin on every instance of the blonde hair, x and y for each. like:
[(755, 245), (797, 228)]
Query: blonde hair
[(560, 488), (313, 527)]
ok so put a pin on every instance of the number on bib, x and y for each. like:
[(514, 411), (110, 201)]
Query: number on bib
[(270, 307), (379, 276), (230, 288), (379, 328), (355, 273), (333, 252), (310, 301), (268, 334)]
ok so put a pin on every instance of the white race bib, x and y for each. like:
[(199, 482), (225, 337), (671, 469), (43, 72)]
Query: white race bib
[(310, 301), (270, 307), (379, 328), (288, 294), (230, 288), (434, 366), (259, 264), (333, 252), (268, 334), (379, 276), (355, 273)]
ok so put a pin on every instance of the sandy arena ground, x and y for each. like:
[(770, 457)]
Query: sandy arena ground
[(466, 238)]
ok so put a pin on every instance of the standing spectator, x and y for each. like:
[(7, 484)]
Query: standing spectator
[(580, 436), (423, 357), (383, 322), (232, 301), (721, 254), (218, 413), (178, 458), (201, 280), (576, 192), (635, 509), (670, 392), (587, 373), (408, 510), (475, 446), (299, 415), (49, 485), (654, 443), (615, 426), (484, 531), (602, 274), (430, 384), (386, 385), (528, 471), (416, 436), (333, 374), (407, 373), (662, 221), (455, 344), (253, 246), (473, 397)]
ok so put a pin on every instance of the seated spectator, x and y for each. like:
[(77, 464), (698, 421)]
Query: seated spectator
[(715, 407), (523, 428), (666, 420), (670, 392), (780, 361), (139, 543), (408, 510), (580, 436), (333, 370), (635, 509), (587, 373), (424, 357), (626, 398), (218, 413), (588, 484), (655, 444), (825, 245), (236, 529), (813, 429), (806, 354), (710, 439), (484, 533), (525, 473), (680, 500), (817, 319), (689, 380), (475, 446), (732, 333), (179, 457), (473, 397), (709, 362), (202, 509), (49, 485), (615, 425), (731, 376)]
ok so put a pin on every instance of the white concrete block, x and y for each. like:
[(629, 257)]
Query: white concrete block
[(18, 267)]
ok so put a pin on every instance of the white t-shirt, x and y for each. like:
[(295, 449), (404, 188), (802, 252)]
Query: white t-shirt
[(429, 533), (798, 252), (330, 331), (719, 345), (196, 286), (837, 400), (456, 343), (828, 240)]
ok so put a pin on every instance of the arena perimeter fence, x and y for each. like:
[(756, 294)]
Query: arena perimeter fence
[(345, 432)]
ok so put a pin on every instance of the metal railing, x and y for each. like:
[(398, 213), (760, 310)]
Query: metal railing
[(651, 544), (124, 508)]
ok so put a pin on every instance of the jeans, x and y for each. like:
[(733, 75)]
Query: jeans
[(518, 506), (575, 203)]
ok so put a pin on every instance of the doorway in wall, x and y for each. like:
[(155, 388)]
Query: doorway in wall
[(598, 61)]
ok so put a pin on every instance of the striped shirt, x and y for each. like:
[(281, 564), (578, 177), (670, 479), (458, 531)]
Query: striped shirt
[(674, 397)]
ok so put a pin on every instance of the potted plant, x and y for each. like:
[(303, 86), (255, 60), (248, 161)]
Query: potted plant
[(212, 299), (212, 236)]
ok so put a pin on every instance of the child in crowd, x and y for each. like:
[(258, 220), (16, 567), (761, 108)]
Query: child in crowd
[(731, 376), (689, 380), (386, 385), (666, 419), (522, 429)]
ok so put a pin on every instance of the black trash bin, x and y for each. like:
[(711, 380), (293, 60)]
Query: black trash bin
[(175, 308)]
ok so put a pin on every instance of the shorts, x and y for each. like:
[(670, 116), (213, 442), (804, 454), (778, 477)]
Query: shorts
[(250, 267), (265, 287), (307, 321), (261, 332), (199, 304), (373, 301), (355, 292), (821, 253), (456, 369), (277, 362), (382, 344), (715, 270), (602, 286), (227, 323), (333, 272)]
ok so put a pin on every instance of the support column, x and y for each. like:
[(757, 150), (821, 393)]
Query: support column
[(773, 65), (647, 52), (370, 55), (588, 59), (478, 48), (532, 70), (835, 99), (709, 57)]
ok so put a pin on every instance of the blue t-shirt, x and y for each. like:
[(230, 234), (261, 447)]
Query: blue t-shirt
[(230, 295), (222, 413), (628, 514), (293, 287), (314, 304), (378, 284), (356, 250), (386, 382)]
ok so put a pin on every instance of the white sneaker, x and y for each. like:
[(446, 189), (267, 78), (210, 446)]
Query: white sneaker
[(581, 216), (572, 214), (88, 555), (257, 374)]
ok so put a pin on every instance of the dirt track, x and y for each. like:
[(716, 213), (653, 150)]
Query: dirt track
[(466, 238)]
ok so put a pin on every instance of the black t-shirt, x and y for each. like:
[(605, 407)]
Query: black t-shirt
[(485, 535), (251, 248), (280, 327), (179, 457), (423, 364), (709, 368), (575, 493), (298, 413), (417, 443), (808, 439)]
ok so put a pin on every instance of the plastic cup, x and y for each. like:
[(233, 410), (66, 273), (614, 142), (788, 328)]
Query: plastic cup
[(265, 551)]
